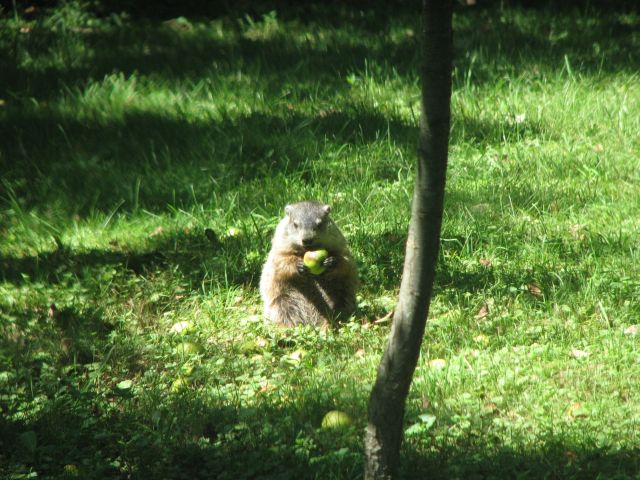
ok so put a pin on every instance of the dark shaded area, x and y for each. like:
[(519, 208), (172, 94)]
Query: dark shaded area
[(306, 9), (69, 336), (559, 459), (149, 47), (177, 446), (165, 153), (193, 254), (54, 267)]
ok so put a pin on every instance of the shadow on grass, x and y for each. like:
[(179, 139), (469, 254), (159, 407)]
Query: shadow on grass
[(55, 266), (188, 436), (180, 437), (150, 49), (33, 341), (148, 160), (556, 458), (487, 41), (192, 257), (151, 161)]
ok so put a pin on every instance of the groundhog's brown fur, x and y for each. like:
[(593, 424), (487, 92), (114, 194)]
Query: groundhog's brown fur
[(291, 294)]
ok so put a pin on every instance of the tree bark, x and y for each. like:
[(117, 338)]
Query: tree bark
[(387, 402)]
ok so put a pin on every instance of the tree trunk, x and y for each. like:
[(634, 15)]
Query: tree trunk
[(387, 402)]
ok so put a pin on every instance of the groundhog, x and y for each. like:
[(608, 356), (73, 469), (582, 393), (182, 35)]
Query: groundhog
[(291, 294)]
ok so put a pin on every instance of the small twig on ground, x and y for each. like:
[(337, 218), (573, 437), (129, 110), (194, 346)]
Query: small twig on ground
[(384, 318)]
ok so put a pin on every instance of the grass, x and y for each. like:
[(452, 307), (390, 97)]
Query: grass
[(122, 139)]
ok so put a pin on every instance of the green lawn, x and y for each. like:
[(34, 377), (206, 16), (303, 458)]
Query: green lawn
[(122, 139)]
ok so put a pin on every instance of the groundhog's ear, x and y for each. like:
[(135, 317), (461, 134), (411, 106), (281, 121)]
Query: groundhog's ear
[(287, 210), (326, 209)]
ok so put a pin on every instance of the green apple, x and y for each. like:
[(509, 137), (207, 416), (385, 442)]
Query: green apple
[(336, 419), (234, 232), (313, 260), (71, 470), (182, 327), (179, 384), (188, 348)]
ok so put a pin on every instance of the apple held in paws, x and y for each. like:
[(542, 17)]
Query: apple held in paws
[(313, 260)]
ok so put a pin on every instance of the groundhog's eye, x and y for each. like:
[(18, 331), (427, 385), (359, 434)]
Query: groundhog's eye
[(295, 224)]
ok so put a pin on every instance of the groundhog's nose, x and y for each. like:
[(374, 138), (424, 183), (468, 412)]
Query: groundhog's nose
[(307, 242)]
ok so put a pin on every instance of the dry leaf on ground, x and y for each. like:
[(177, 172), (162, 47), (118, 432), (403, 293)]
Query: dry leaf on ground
[(483, 312), (534, 290), (575, 353), (437, 363)]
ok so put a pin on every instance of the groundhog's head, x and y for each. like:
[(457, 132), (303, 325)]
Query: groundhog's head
[(307, 225)]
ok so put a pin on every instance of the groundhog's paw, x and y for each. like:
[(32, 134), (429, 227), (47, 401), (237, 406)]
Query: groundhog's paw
[(302, 268), (330, 262)]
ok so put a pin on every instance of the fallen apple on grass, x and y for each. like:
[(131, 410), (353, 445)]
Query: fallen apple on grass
[(336, 419), (188, 348), (179, 384), (182, 327)]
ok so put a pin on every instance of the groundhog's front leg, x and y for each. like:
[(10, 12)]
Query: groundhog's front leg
[(302, 268), (288, 266), (330, 262), (338, 266)]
